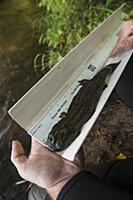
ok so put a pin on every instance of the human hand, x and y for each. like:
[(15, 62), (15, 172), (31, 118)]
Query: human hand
[(43, 167), (125, 41)]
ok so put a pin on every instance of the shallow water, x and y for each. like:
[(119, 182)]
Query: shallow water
[(18, 47)]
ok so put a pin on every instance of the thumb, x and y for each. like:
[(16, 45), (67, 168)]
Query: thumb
[(18, 156), (130, 42), (124, 44)]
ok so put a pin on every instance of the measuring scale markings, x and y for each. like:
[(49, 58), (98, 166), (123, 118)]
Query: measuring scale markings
[(52, 116), (61, 105), (88, 71)]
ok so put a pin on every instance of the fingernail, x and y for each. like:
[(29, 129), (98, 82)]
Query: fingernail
[(13, 142)]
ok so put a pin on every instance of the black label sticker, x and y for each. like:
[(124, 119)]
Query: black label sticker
[(92, 68)]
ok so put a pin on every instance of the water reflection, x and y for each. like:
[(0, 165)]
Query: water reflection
[(18, 48)]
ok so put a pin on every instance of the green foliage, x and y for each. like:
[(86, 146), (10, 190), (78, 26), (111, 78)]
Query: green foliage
[(127, 15), (66, 22)]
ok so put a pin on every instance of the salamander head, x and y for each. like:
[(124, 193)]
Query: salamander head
[(59, 137)]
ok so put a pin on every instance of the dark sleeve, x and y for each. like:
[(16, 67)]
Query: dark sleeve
[(86, 186), (125, 83)]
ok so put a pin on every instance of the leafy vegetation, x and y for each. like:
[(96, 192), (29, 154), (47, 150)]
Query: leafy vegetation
[(64, 23)]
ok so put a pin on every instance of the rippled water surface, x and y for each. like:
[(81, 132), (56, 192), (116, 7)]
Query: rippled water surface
[(18, 47)]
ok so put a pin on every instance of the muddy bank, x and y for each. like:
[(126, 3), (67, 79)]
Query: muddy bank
[(112, 134)]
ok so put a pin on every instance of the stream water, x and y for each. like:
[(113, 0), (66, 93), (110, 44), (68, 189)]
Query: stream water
[(18, 47)]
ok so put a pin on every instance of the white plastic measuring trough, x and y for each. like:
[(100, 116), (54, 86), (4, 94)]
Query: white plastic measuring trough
[(39, 109)]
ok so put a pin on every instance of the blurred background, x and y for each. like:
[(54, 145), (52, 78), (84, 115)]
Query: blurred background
[(35, 35)]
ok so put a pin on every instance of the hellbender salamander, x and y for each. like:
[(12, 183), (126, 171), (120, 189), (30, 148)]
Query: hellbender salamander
[(81, 109)]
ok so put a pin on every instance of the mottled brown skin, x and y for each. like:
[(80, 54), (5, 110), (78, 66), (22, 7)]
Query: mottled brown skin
[(80, 110)]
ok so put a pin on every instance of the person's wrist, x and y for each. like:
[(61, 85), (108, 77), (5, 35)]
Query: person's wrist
[(55, 190)]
